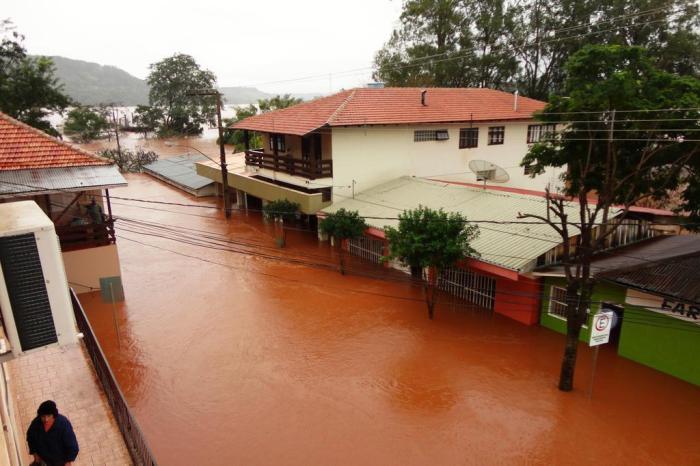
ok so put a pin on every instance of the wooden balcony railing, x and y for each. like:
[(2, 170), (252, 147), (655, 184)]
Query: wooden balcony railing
[(86, 236), (310, 168)]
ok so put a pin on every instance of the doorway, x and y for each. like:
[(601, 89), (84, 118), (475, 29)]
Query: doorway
[(311, 152), (618, 314)]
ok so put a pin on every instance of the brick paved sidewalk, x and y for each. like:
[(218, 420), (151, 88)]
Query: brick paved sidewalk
[(66, 376)]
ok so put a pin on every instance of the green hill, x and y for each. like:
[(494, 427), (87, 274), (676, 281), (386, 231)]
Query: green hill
[(91, 84)]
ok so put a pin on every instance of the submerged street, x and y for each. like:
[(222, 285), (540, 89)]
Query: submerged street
[(270, 356)]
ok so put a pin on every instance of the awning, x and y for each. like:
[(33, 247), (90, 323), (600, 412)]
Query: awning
[(20, 183)]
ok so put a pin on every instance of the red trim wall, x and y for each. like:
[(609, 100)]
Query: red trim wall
[(519, 300), (517, 296)]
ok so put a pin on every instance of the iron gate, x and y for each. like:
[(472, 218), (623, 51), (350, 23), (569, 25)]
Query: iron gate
[(474, 287), (367, 248)]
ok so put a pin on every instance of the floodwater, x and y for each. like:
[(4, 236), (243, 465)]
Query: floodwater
[(228, 358)]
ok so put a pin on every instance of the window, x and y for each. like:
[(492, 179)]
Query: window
[(557, 302), (277, 141), (423, 135), (468, 138), (535, 133), (496, 135)]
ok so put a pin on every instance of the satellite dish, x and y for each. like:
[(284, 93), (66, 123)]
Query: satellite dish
[(487, 171)]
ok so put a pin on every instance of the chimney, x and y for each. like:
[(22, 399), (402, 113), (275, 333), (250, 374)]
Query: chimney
[(423, 97), (515, 101)]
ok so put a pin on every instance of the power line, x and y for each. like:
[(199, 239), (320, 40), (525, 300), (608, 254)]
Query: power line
[(647, 321), (431, 59)]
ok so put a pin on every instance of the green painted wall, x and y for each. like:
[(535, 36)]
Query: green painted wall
[(665, 343), (602, 292)]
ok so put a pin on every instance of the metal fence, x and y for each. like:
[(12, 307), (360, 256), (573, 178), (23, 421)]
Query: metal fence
[(133, 437), (367, 248), (470, 286)]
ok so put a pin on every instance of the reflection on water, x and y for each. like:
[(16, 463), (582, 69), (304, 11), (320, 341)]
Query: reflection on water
[(235, 359)]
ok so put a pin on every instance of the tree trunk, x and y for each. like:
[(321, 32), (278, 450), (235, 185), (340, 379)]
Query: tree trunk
[(577, 303), (430, 292), (341, 257), (568, 364)]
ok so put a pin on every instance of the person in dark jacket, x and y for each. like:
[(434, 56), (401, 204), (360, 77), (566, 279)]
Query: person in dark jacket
[(51, 438)]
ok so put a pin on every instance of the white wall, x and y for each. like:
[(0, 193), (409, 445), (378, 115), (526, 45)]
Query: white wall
[(375, 155), (87, 266)]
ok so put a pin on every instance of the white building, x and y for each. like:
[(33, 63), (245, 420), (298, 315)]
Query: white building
[(328, 149)]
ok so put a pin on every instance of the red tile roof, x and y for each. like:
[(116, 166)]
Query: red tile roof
[(23, 147), (391, 106)]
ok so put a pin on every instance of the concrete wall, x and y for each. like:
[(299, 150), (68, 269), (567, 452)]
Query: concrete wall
[(375, 155), (87, 266)]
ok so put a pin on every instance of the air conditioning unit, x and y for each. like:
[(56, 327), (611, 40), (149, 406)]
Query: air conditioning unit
[(34, 297)]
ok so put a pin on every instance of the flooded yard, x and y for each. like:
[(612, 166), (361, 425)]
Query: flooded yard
[(233, 358)]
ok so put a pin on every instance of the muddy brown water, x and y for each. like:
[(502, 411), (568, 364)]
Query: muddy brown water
[(259, 361)]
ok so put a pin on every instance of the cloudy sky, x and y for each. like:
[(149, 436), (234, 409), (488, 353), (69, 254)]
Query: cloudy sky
[(256, 43)]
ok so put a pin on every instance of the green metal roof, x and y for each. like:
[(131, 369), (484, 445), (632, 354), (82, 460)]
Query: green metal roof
[(512, 246)]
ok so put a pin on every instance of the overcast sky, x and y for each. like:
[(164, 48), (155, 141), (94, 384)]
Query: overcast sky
[(244, 42)]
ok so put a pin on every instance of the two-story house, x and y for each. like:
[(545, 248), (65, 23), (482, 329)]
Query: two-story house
[(333, 147), (71, 186)]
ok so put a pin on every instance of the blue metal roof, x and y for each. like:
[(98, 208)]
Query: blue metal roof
[(180, 170)]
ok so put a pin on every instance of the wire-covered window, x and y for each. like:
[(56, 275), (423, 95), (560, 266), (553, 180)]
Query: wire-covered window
[(557, 302), (422, 135), (536, 133), (468, 138), (496, 135)]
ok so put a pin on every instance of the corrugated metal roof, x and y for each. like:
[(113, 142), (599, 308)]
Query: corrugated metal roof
[(655, 249), (512, 246), (180, 170), (49, 180), (675, 277)]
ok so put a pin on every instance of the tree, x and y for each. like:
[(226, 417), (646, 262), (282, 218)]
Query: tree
[(427, 28), (171, 82), (621, 145), (282, 209), (543, 35), (343, 225), (235, 137), (147, 118), (431, 239), (85, 124), (275, 103), (29, 91), (525, 43), (130, 161)]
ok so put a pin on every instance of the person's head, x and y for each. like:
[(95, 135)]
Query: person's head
[(93, 201), (47, 411)]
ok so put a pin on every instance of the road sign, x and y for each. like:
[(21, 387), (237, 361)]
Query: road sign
[(600, 328)]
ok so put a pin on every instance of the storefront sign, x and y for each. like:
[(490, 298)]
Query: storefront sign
[(600, 328), (679, 310)]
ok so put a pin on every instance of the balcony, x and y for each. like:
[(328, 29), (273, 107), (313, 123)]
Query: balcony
[(91, 235), (310, 168)]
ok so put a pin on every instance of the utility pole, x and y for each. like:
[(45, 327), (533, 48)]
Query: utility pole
[(222, 150), (115, 120)]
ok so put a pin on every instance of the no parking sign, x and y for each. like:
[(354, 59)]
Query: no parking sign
[(600, 328)]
